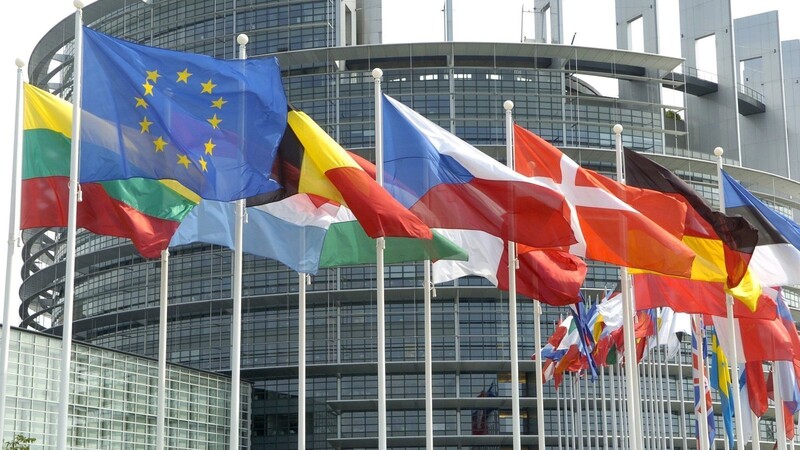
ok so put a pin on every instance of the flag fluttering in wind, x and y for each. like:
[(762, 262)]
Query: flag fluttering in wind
[(305, 232), (143, 210), (213, 125), (606, 227), (430, 171), (723, 245), (311, 162), (480, 205), (776, 259), (721, 382)]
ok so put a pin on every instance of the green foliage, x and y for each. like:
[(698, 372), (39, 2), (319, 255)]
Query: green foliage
[(20, 442)]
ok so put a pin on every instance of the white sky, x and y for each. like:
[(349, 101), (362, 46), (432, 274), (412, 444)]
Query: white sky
[(411, 21)]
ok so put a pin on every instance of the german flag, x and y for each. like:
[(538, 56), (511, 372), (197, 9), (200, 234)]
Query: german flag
[(723, 244)]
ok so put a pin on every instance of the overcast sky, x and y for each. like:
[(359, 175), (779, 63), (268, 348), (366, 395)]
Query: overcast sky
[(591, 22)]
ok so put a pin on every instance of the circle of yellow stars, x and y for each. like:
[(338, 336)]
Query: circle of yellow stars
[(159, 143)]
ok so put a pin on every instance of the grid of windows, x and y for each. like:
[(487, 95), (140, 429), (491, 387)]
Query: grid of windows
[(114, 398)]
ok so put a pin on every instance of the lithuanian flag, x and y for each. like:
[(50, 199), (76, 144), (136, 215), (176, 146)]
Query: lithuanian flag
[(145, 211)]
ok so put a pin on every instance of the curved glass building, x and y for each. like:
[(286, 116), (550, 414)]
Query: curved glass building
[(327, 49)]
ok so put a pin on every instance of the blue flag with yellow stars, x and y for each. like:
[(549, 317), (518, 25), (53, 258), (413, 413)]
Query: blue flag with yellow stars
[(213, 125)]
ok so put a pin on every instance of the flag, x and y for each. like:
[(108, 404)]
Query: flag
[(776, 259), (723, 244), (569, 348), (694, 297), (700, 380), (788, 392), (745, 411), (757, 388), (450, 184), (552, 276), (482, 417), (311, 162), (671, 326), (721, 382), (210, 124), (306, 233), (762, 339), (606, 227), (145, 211)]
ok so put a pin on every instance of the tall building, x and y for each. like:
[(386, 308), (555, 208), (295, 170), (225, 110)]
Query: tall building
[(327, 48)]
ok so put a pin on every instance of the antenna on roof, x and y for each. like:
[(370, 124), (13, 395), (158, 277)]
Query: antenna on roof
[(573, 38)]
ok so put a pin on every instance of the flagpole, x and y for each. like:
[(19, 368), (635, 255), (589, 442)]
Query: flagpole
[(702, 435), (302, 279), (427, 294), (72, 220), (13, 239), (236, 315), (779, 412), (734, 357), (682, 423), (162, 352), (508, 105), (379, 269), (613, 406), (631, 370)]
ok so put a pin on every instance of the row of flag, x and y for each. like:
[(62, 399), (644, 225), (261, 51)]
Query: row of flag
[(168, 139)]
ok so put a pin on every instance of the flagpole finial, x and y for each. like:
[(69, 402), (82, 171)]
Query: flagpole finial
[(718, 151), (617, 129), (377, 73), (20, 63), (508, 105), (242, 39), (78, 4)]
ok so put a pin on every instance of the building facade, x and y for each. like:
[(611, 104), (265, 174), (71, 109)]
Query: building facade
[(113, 400), (327, 49)]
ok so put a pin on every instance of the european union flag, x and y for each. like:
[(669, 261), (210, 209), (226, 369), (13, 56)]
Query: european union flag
[(213, 125)]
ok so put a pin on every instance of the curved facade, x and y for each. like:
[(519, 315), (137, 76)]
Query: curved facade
[(461, 86)]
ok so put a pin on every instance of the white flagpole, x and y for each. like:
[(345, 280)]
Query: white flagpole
[(162, 352), (779, 412), (682, 422), (631, 369), (756, 438), (508, 105), (603, 406), (702, 436), (427, 294), (302, 280), (613, 404), (72, 220), (734, 356), (236, 319), (379, 269), (13, 239)]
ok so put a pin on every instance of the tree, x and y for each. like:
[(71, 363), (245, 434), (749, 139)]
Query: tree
[(20, 442)]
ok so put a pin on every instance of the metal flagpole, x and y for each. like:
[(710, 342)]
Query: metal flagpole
[(72, 220), (603, 406), (162, 352), (13, 240), (236, 319), (379, 263), (427, 294), (558, 415), (734, 356), (302, 280), (682, 423), (779, 412), (613, 407), (756, 438), (702, 435), (508, 105), (631, 369)]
